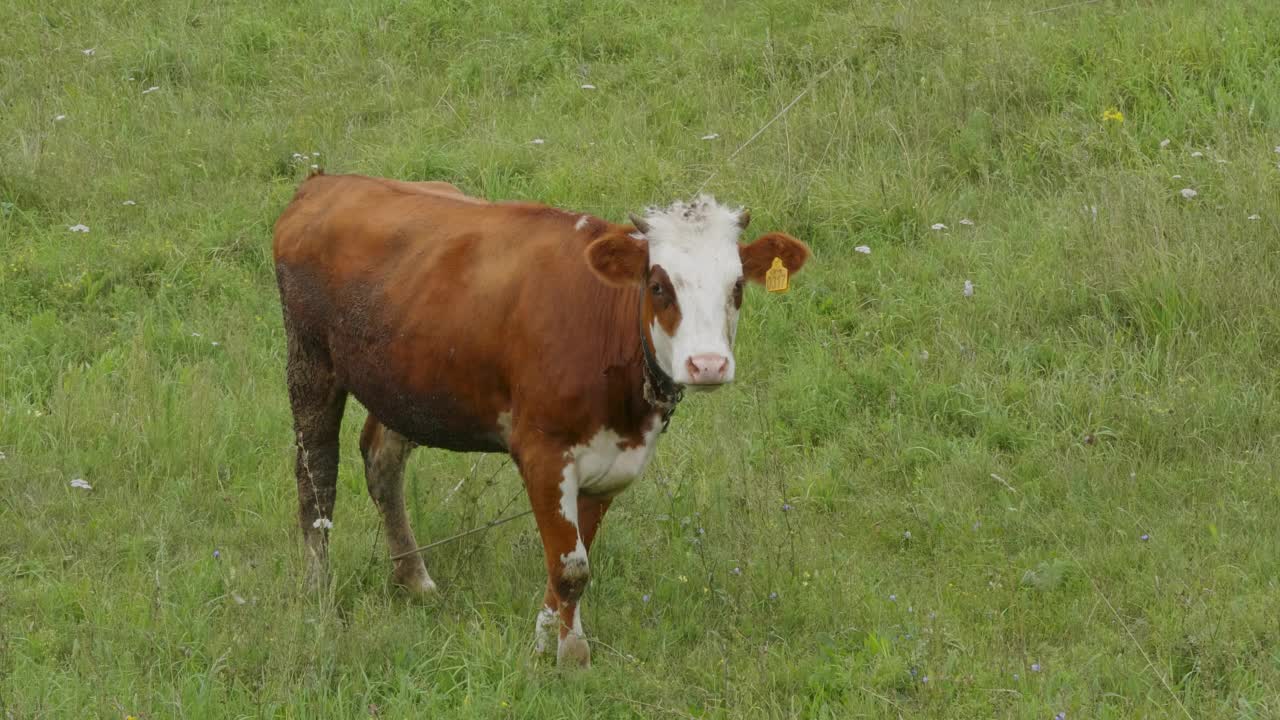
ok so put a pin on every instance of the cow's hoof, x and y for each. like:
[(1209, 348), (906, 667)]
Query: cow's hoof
[(416, 582), (573, 652)]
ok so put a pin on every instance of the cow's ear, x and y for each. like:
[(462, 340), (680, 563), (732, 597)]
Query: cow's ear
[(619, 259), (758, 257)]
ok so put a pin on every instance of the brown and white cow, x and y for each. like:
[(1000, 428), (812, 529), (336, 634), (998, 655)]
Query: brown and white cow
[(560, 338)]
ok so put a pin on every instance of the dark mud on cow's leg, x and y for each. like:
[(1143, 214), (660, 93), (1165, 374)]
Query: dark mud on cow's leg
[(385, 452), (318, 403)]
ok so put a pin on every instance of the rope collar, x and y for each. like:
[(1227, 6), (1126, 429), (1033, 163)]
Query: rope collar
[(660, 390)]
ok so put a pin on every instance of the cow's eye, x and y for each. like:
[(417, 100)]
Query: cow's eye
[(656, 289)]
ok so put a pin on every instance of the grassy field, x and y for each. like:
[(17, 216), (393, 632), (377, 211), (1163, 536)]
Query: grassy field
[(1055, 495)]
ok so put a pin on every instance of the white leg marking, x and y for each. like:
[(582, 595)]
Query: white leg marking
[(575, 561), (577, 621), (547, 621), (569, 494), (573, 648), (582, 222), (504, 426)]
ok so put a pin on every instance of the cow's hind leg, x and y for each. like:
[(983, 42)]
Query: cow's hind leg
[(385, 452), (317, 401)]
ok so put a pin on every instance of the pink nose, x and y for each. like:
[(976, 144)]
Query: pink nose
[(707, 368)]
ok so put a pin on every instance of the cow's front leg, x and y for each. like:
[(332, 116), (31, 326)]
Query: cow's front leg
[(590, 512), (552, 484)]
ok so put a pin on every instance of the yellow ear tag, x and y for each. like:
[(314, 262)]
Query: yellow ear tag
[(775, 280)]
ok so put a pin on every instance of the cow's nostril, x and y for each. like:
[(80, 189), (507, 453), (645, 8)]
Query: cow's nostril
[(707, 367)]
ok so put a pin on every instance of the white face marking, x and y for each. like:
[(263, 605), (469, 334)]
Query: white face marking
[(582, 222), (697, 245), (605, 468)]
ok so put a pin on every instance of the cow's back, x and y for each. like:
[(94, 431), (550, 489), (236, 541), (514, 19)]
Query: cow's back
[(436, 307)]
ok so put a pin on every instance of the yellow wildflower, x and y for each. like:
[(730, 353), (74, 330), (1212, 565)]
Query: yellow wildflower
[(1112, 115)]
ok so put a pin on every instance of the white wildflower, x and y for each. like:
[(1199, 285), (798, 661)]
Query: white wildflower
[(966, 221), (537, 141), (322, 524), (1278, 148), (151, 89), (1254, 216), (128, 202), (3, 456), (1188, 193), (59, 118), (863, 249), (315, 154), (711, 136), (1177, 177), (968, 288), (78, 228), (1164, 143), (315, 167), (237, 598), (215, 343), (937, 226), (195, 334), (79, 483), (88, 52), (1197, 154), (924, 354), (588, 86)]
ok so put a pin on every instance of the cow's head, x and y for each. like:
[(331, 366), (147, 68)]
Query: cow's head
[(691, 267)]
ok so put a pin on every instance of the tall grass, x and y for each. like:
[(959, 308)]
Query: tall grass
[(1055, 496)]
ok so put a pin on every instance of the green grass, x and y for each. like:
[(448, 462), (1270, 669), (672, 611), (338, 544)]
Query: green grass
[(1113, 375)]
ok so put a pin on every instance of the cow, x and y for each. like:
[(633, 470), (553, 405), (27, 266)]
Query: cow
[(558, 337)]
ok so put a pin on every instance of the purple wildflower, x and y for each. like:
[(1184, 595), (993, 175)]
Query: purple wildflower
[(736, 570), (893, 598), (1145, 537), (644, 597), (217, 555), (1035, 667), (1060, 716), (786, 507), (773, 595)]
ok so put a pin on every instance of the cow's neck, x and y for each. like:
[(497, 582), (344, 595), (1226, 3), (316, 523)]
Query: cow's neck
[(660, 390)]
